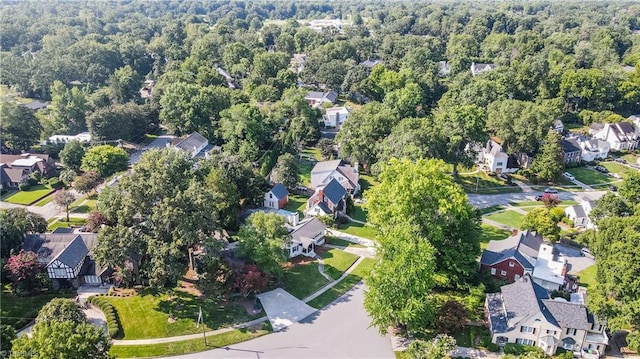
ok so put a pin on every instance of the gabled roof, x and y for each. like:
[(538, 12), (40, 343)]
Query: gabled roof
[(193, 141), (49, 246), (351, 174), (331, 96), (321, 170), (334, 191), (520, 246), (35, 105), (626, 128), (568, 315), (578, 210), (12, 174), (314, 95), (371, 63), (569, 146), (74, 253), (279, 191), (309, 228)]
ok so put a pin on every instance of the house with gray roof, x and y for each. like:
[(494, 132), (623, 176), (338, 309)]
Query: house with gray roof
[(317, 98), (328, 200), (512, 258), (477, 68), (524, 313), (277, 197), (494, 159), (619, 136), (194, 144), (579, 213), (326, 171), (67, 256), (571, 151), (305, 237)]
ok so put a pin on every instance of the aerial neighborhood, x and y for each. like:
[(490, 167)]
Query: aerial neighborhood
[(370, 180)]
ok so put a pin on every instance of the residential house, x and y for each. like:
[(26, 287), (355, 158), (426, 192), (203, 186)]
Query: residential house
[(328, 200), (305, 237), (495, 159), (579, 213), (523, 313), (67, 257), (147, 90), (317, 99), (478, 68), (195, 144), (444, 69), (35, 105), (320, 24), (549, 271), (325, 171), (512, 258), (297, 62), (84, 137), (571, 151), (635, 119), (619, 136), (30, 162), (592, 149), (335, 116), (277, 197), (558, 126), (10, 178), (371, 63)]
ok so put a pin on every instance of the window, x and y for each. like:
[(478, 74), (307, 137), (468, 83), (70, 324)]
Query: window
[(503, 273), (567, 346), (493, 271), (525, 329), (511, 264), (516, 276), (270, 195), (59, 272), (498, 164), (572, 331), (525, 341), (552, 332)]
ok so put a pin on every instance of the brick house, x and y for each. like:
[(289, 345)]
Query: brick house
[(571, 151)]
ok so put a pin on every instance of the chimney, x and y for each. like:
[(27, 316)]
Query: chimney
[(355, 167)]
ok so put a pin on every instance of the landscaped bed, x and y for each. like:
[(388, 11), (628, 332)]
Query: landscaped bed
[(148, 316), (508, 218), (337, 261), (300, 280), (356, 275), (29, 196)]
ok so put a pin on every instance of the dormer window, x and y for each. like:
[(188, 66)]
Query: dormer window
[(511, 264), (270, 195)]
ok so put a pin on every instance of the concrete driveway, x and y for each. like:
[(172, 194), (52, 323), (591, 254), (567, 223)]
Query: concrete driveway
[(576, 262), (283, 309)]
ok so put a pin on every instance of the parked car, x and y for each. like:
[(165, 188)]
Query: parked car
[(601, 169), (539, 198), (620, 160), (585, 252), (550, 190), (568, 176), (613, 188)]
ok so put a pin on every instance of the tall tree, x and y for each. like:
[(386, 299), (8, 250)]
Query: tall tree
[(105, 160), (286, 171), (60, 310), (87, 182), (19, 128), (420, 195), (15, 224), (124, 85), (72, 154), (23, 269), (609, 206), (227, 197), (63, 200), (519, 124), (630, 188), (549, 163), (542, 221), (68, 109), (263, 241)]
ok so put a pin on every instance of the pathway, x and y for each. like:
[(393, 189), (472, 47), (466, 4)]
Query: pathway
[(353, 219), (525, 188), (350, 237), (321, 268), (283, 309)]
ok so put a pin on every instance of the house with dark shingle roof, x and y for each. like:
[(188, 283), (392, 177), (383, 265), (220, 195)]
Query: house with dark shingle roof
[(620, 136), (509, 259), (477, 68), (277, 197), (193, 144), (305, 237), (524, 313), (329, 199), (325, 171), (571, 151), (12, 177), (67, 256), (317, 98)]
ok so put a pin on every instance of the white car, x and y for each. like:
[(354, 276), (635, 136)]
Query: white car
[(585, 252), (568, 176)]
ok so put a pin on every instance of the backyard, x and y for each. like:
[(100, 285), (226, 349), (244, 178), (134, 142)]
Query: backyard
[(337, 261), (589, 176), (508, 218), (19, 311), (147, 315), (29, 196), (341, 242), (296, 204), (359, 229)]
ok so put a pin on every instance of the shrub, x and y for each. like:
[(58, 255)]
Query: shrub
[(485, 340), (113, 322), (513, 348), (493, 347), (24, 186), (55, 183)]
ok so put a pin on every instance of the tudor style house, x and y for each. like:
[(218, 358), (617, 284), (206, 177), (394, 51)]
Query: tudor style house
[(523, 313), (277, 197), (67, 257), (305, 237), (328, 200), (325, 171)]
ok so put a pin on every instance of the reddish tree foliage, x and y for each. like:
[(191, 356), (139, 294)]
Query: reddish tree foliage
[(251, 280), (95, 220), (451, 317), (87, 182), (23, 267), (550, 200)]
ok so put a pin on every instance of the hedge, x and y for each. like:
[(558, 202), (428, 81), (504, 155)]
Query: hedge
[(113, 322)]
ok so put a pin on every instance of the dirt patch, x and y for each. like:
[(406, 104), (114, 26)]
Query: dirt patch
[(188, 285), (299, 261)]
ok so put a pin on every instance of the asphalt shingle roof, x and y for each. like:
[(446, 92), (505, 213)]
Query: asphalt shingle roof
[(74, 253), (524, 244), (279, 191), (193, 141), (309, 228), (334, 191), (568, 315)]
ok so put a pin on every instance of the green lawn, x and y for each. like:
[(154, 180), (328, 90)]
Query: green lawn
[(337, 261), (296, 204), (305, 172), (630, 158), (187, 346), (86, 207), (44, 201), (486, 184), (615, 167), (303, 280), (73, 221), (491, 233), (29, 196), (343, 286), (366, 182), (313, 151), (146, 315), (589, 176), (359, 213), (508, 218), (342, 243), (588, 277), (359, 229), (19, 311)]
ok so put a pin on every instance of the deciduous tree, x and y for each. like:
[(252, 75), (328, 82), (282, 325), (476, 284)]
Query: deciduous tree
[(63, 200), (19, 128), (630, 188), (105, 160), (60, 310), (286, 171), (519, 124), (609, 206), (452, 317), (23, 270), (263, 241), (71, 155), (87, 182), (541, 220), (14, 224)]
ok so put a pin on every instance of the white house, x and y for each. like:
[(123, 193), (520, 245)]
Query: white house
[(297, 62), (193, 144), (494, 158), (523, 313), (305, 237), (619, 136), (277, 197), (478, 68), (335, 116), (325, 171), (317, 99), (579, 213), (81, 137), (549, 270), (592, 149)]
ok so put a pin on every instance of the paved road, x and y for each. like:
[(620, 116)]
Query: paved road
[(576, 262), (339, 331), (488, 200)]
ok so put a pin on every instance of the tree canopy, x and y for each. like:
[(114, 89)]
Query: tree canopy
[(105, 160)]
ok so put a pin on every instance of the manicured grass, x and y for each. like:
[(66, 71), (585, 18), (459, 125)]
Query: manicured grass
[(305, 172), (29, 196), (466, 337), (296, 204), (589, 176), (313, 151), (86, 207), (490, 209), (44, 201), (19, 311), (146, 315), (64, 224), (343, 286), (359, 229), (342, 243), (615, 167), (302, 280), (337, 261), (187, 346), (508, 218), (366, 182), (485, 184), (630, 158), (359, 213), (588, 277), (491, 233)]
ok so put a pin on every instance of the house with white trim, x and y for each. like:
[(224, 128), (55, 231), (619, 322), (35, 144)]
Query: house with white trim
[(494, 159), (619, 136), (335, 116), (305, 237), (325, 171)]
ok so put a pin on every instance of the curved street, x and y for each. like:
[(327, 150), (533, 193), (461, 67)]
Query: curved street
[(341, 330)]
